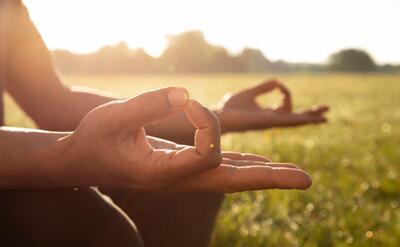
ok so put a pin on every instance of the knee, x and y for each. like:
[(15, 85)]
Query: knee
[(68, 217)]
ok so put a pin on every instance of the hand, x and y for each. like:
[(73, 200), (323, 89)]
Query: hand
[(241, 112), (238, 172), (110, 148)]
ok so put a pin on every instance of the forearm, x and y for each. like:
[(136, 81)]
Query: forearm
[(64, 111), (30, 158), (68, 108), (79, 101)]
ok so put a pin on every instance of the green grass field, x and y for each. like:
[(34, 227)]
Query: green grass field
[(354, 159)]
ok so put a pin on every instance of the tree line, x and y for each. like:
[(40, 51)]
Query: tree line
[(190, 52)]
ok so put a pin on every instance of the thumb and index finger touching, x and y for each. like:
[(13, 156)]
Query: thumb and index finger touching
[(270, 85), (153, 106)]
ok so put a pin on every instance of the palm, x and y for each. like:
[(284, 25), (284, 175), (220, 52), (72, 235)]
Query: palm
[(114, 133), (111, 145), (237, 172)]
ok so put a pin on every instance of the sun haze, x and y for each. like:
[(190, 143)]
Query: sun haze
[(296, 31)]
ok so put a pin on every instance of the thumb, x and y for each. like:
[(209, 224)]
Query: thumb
[(152, 106)]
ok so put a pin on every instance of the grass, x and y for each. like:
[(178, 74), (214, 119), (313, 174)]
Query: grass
[(354, 159)]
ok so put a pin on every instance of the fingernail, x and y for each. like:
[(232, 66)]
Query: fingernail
[(178, 97)]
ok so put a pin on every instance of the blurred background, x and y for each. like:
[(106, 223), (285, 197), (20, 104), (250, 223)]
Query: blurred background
[(341, 53), (220, 36)]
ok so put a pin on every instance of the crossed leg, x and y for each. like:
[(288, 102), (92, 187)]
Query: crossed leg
[(184, 219), (63, 217), (84, 217)]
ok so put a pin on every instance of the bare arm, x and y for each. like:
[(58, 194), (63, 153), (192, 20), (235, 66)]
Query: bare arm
[(33, 82), (20, 162), (109, 148), (35, 85)]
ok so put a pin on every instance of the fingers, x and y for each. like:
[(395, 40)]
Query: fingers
[(301, 119), (287, 99), (151, 106), (311, 116), (208, 133), (240, 156), (206, 154), (296, 119), (242, 120), (263, 87), (317, 119), (317, 110), (269, 86), (234, 162), (228, 178)]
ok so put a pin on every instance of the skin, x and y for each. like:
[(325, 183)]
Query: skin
[(240, 111), (109, 147), (92, 138)]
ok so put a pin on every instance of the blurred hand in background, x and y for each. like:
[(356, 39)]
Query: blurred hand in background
[(240, 111)]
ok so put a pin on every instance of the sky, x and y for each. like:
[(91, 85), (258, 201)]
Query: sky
[(292, 30)]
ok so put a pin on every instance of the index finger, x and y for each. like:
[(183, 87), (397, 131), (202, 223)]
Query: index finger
[(287, 99), (263, 87), (206, 154)]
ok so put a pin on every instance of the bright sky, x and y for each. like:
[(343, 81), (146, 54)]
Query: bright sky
[(293, 30)]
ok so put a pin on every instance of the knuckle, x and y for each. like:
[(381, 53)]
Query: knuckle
[(210, 115), (214, 122)]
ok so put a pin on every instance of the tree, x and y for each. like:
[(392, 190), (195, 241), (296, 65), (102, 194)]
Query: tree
[(252, 60), (351, 60), (187, 52)]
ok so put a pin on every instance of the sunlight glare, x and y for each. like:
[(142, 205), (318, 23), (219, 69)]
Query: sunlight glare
[(295, 31)]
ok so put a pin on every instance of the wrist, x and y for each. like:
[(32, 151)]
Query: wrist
[(52, 161), (32, 158)]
